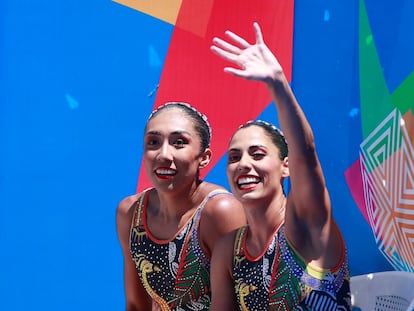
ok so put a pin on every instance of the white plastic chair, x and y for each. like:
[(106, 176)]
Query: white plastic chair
[(383, 291)]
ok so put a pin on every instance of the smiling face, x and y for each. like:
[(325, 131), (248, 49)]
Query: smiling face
[(254, 168), (172, 150)]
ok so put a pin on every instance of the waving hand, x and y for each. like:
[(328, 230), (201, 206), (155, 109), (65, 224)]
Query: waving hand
[(253, 61)]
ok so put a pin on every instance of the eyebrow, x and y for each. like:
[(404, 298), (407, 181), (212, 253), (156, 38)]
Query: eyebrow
[(153, 133), (172, 133), (250, 148), (233, 149), (257, 146)]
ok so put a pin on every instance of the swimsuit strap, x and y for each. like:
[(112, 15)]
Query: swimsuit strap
[(201, 254), (137, 219), (238, 241), (210, 195)]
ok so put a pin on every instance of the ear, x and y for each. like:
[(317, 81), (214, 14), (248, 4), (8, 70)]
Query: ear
[(205, 158), (285, 167)]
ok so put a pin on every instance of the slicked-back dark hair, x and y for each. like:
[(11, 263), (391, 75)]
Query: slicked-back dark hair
[(274, 134), (201, 123)]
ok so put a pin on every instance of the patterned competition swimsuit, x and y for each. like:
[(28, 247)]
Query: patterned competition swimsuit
[(280, 280), (174, 272)]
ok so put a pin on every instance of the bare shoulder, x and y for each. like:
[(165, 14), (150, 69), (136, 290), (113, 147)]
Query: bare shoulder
[(221, 214), (221, 203), (224, 202), (124, 214), (224, 211), (126, 204)]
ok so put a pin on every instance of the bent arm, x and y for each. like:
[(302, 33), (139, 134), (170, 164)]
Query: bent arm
[(136, 296), (222, 214), (222, 283)]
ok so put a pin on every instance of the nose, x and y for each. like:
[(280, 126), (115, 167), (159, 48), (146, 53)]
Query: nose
[(244, 163), (164, 152)]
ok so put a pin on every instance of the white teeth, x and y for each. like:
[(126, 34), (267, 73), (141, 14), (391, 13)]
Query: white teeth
[(165, 172), (247, 180)]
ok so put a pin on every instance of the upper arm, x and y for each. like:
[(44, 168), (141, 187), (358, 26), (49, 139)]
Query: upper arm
[(309, 223), (223, 213), (222, 284), (308, 193), (135, 294)]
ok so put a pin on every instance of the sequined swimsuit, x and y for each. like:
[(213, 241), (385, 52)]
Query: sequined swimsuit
[(280, 280), (174, 272)]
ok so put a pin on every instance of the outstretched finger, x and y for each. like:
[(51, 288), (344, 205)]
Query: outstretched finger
[(236, 72), (228, 56), (239, 40), (258, 32), (224, 45)]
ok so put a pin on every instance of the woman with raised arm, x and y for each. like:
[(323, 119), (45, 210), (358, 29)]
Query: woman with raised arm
[(168, 232), (291, 254)]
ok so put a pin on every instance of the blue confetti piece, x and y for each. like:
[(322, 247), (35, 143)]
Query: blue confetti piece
[(154, 59), (354, 112), (73, 103), (326, 16), (153, 91)]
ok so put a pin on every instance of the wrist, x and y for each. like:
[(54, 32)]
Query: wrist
[(277, 80)]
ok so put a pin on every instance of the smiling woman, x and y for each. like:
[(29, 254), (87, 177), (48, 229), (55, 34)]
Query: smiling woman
[(179, 132), (168, 232), (290, 255)]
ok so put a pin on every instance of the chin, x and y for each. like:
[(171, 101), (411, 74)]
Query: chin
[(244, 196)]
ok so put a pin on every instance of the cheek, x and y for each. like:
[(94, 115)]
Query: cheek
[(186, 160), (230, 179), (230, 168), (273, 172), (148, 155), (230, 173)]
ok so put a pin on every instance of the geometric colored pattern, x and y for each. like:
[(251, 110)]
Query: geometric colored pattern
[(388, 183), (90, 80), (193, 74), (165, 10), (382, 180), (192, 16)]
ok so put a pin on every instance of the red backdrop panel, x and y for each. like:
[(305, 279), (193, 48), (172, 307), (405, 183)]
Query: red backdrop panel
[(192, 73)]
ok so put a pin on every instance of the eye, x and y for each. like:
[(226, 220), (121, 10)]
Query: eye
[(258, 155), (233, 157), (180, 142), (153, 142)]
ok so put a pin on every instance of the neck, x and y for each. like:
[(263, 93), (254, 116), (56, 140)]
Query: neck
[(175, 204), (264, 222)]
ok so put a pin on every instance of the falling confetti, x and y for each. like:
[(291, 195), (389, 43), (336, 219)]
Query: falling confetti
[(154, 59), (354, 112), (153, 91), (326, 16), (73, 103)]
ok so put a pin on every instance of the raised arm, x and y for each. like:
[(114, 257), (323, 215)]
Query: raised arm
[(309, 208)]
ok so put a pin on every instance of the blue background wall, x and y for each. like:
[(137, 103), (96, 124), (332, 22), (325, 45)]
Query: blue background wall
[(76, 83)]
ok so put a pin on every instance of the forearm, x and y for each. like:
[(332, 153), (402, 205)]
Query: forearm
[(292, 119)]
